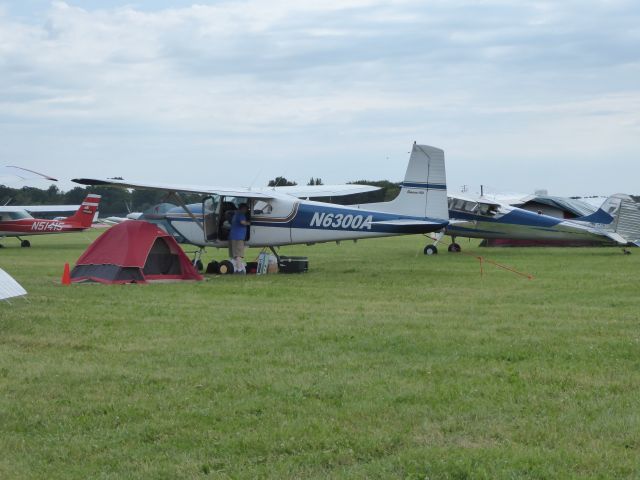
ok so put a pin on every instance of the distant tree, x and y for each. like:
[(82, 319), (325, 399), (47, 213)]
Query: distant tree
[(281, 182), (54, 195), (75, 196), (315, 181)]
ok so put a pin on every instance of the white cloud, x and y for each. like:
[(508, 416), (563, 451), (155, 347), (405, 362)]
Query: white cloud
[(541, 81)]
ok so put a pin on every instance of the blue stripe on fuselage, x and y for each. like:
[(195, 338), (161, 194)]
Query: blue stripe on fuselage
[(312, 216), (599, 216), (515, 217), (325, 217), (431, 186)]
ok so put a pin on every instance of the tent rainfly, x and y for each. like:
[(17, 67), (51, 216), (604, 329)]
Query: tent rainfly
[(134, 252), (9, 288)]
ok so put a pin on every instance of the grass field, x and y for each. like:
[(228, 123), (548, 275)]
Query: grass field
[(378, 363)]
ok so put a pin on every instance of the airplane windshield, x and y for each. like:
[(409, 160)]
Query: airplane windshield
[(475, 208), (19, 215)]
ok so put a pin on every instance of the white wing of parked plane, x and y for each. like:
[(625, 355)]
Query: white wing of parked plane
[(48, 208), (260, 193), (315, 191), (231, 192)]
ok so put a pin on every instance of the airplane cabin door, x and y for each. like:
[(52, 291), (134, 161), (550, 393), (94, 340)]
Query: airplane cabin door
[(210, 214)]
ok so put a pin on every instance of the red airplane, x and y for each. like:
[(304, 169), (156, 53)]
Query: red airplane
[(17, 222)]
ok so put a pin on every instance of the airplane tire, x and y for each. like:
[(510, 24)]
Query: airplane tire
[(454, 248), (212, 267), (25, 243), (199, 265), (430, 250), (225, 267)]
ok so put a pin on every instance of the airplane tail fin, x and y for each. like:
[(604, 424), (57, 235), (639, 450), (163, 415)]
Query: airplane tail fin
[(87, 211), (625, 213), (604, 214), (423, 193)]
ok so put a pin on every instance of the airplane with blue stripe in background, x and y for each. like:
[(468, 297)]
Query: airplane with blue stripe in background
[(285, 215), (479, 217)]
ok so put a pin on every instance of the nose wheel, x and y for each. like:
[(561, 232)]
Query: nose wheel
[(25, 243), (454, 248)]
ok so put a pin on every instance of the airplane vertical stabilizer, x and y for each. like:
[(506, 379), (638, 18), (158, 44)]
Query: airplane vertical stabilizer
[(87, 211), (626, 213), (423, 193)]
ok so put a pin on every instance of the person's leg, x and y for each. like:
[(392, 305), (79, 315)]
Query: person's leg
[(239, 256)]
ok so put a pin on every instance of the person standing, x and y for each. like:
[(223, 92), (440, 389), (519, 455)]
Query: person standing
[(237, 236)]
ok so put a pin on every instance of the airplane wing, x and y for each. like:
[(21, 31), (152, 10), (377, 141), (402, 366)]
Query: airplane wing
[(315, 191), (615, 237), (24, 173), (231, 192), (49, 208)]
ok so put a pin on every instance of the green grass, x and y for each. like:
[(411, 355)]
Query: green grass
[(378, 363)]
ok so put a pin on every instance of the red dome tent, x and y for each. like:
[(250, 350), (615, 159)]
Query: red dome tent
[(134, 252)]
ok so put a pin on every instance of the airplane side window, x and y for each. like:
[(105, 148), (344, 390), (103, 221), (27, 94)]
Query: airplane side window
[(262, 208), (470, 206), (458, 204)]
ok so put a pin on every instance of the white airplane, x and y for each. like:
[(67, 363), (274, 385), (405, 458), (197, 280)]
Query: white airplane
[(285, 216), (479, 217)]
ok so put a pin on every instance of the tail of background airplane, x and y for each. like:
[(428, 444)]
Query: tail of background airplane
[(619, 214), (626, 216), (604, 215), (423, 193), (87, 211)]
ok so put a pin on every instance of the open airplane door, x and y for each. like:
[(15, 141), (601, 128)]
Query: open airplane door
[(210, 217)]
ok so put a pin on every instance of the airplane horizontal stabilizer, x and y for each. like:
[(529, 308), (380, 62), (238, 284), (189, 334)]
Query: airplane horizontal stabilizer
[(616, 237)]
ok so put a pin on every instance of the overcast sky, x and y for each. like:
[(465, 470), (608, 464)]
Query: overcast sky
[(520, 94)]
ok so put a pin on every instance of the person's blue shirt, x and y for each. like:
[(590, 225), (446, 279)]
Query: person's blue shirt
[(238, 230)]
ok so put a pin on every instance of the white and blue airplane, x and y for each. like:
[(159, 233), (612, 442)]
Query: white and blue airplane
[(486, 219), (284, 215)]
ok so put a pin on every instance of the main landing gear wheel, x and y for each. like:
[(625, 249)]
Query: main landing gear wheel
[(212, 267), (430, 250), (25, 243), (225, 267), (199, 265), (454, 248)]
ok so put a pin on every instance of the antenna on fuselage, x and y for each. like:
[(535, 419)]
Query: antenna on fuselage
[(255, 178)]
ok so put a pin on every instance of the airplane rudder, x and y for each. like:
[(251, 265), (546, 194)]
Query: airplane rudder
[(87, 211)]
